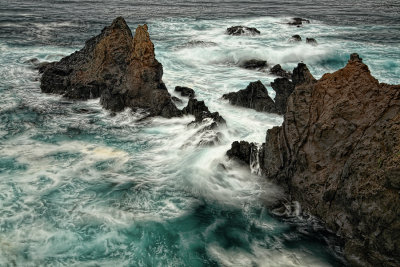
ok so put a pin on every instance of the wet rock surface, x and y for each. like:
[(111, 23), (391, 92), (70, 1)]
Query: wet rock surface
[(241, 151), (255, 96), (338, 154), (296, 38), (298, 21), (278, 71), (120, 69), (185, 91), (242, 30), (311, 41), (255, 64)]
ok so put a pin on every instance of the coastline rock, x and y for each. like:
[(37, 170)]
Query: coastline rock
[(176, 99), (311, 41), (283, 88), (296, 38), (255, 96), (241, 151), (253, 64), (298, 21), (278, 71), (120, 69), (201, 112), (185, 91), (338, 154), (242, 30), (197, 43)]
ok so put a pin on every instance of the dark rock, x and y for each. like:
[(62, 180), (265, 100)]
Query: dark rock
[(185, 91), (242, 30), (283, 88), (120, 69), (296, 38), (176, 99), (196, 43), (255, 96), (253, 64), (298, 21), (37, 64), (241, 151), (278, 71), (338, 154), (200, 111), (311, 41)]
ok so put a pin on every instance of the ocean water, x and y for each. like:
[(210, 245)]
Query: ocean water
[(80, 187)]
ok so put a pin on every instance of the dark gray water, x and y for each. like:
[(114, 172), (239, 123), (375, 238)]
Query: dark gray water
[(88, 189)]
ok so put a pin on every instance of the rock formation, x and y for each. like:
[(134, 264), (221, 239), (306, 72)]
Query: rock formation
[(298, 21), (241, 151), (278, 71), (311, 41), (338, 154), (120, 69), (296, 38), (242, 30), (185, 91), (255, 96), (253, 64)]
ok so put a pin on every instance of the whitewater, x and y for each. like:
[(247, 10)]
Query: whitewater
[(80, 186)]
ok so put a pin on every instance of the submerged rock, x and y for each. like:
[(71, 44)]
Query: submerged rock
[(201, 112), (278, 71), (296, 38), (197, 43), (185, 91), (255, 96), (298, 21), (338, 154), (253, 64), (120, 69), (311, 41), (242, 30)]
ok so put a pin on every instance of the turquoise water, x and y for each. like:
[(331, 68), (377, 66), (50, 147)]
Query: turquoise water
[(80, 187)]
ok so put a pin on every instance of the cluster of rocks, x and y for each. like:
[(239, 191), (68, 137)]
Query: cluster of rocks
[(255, 95), (297, 38), (338, 154)]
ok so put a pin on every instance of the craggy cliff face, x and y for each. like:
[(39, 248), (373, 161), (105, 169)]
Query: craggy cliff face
[(338, 153), (115, 66)]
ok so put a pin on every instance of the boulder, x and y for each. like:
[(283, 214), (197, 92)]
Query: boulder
[(296, 38), (242, 30), (255, 96), (278, 71), (119, 68), (201, 112), (298, 21), (311, 41), (253, 64), (241, 151), (185, 91)]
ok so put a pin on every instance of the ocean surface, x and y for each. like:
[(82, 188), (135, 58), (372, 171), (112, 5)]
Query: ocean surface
[(80, 187)]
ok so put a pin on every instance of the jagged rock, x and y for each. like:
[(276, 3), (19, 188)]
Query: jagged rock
[(283, 88), (311, 41), (301, 74), (255, 96), (296, 38), (241, 151), (278, 71), (120, 69), (242, 30), (200, 111), (185, 91), (338, 154), (253, 64), (298, 21)]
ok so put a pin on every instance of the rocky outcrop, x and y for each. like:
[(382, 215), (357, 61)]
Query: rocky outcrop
[(298, 21), (242, 30), (338, 154), (255, 96), (311, 41), (185, 91), (283, 88), (201, 112), (120, 69), (254, 64), (241, 151), (278, 71)]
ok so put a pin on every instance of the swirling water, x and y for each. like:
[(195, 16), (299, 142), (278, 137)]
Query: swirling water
[(80, 187)]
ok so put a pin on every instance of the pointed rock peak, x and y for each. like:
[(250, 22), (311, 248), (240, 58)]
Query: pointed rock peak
[(301, 74), (119, 22), (355, 58), (143, 48)]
